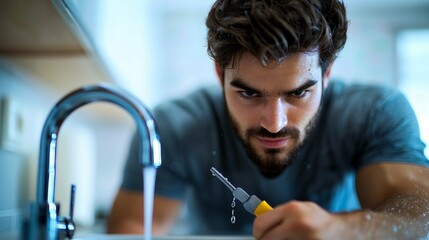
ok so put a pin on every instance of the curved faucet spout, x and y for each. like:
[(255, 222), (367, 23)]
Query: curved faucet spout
[(44, 220), (150, 154)]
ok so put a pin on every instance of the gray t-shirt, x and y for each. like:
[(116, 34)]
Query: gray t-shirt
[(358, 125)]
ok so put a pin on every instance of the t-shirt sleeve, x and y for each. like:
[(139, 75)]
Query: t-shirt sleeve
[(133, 175), (391, 132), (169, 177)]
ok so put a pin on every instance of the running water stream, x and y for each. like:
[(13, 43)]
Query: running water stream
[(149, 174)]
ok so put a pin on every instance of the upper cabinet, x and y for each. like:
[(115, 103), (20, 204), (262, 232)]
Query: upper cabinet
[(36, 38)]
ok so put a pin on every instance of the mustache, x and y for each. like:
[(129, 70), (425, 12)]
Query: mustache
[(285, 132)]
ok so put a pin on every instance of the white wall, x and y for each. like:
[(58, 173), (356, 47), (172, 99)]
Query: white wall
[(34, 102), (91, 150), (19, 153), (370, 52)]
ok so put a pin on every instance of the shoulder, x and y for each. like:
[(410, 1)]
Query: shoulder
[(374, 123), (339, 93), (201, 104), (359, 103), (198, 117), (197, 101)]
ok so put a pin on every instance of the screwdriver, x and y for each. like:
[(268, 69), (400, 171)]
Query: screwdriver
[(252, 204)]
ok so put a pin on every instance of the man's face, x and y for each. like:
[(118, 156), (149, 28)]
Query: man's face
[(273, 108)]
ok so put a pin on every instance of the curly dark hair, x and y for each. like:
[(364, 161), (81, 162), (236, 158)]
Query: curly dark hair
[(272, 29)]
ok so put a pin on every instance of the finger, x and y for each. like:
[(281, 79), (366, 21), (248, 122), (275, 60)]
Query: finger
[(265, 222), (287, 220), (280, 231)]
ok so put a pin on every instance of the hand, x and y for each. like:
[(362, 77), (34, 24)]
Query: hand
[(297, 220)]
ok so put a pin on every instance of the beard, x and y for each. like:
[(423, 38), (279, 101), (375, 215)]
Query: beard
[(272, 162)]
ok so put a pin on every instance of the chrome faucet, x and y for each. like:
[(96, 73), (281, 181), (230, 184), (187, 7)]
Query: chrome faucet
[(43, 221)]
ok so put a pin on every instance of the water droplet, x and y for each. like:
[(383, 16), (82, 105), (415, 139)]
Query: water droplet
[(233, 203), (233, 219), (232, 211), (213, 153)]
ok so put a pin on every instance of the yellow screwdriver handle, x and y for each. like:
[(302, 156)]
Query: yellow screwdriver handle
[(262, 208)]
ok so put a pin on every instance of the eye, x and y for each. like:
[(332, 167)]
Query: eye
[(248, 93), (300, 93)]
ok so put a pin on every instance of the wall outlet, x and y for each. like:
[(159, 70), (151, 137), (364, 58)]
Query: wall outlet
[(12, 118)]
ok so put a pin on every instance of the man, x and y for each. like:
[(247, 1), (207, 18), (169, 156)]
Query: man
[(335, 161)]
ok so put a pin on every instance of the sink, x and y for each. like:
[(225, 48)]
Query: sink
[(140, 237)]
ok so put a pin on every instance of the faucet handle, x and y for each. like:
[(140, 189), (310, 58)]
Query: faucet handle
[(72, 197), (66, 226)]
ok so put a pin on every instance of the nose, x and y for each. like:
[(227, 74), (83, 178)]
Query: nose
[(274, 115)]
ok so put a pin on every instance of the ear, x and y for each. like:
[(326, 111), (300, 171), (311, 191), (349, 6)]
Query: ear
[(327, 75), (219, 73)]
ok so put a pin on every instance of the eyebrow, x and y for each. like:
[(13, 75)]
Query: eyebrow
[(238, 83), (306, 85)]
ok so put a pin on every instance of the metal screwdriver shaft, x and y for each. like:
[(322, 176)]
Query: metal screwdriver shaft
[(251, 203), (223, 179)]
